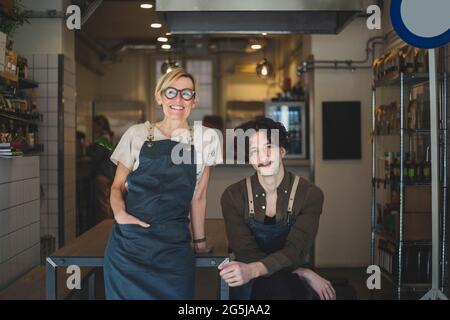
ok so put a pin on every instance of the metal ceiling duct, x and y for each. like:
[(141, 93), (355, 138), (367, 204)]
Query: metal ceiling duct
[(256, 16)]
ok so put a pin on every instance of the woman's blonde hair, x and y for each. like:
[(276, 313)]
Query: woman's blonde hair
[(166, 80)]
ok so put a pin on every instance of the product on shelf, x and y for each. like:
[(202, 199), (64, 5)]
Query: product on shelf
[(4, 131), (387, 118), (427, 167), (407, 59), (421, 59), (22, 65)]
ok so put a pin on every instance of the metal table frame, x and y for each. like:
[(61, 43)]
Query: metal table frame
[(52, 263)]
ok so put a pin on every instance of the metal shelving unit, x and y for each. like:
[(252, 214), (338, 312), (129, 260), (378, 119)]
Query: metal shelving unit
[(405, 84)]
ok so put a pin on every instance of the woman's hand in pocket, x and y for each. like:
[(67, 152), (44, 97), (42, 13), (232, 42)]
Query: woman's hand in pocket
[(125, 218)]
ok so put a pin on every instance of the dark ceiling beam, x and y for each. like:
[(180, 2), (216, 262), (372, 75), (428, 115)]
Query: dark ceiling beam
[(90, 10)]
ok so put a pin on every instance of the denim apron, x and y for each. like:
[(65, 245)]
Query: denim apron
[(155, 262), (269, 237)]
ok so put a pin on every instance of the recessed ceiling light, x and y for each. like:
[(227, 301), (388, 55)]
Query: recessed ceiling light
[(156, 25), (168, 34), (166, 46), (162, 39), (146, 6), (264, 33), (256, 46)]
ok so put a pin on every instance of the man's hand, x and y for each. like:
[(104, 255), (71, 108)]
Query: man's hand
[(238, 273), (125, 218), (321, 286)]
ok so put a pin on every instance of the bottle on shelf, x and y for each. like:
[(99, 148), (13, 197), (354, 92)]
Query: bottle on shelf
[(4, 134), (396, 167), (419, 171), (405, 168), (388, 166), (427, 167), (411, 168)]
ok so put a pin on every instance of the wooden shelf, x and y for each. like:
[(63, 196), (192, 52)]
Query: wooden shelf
[(27, 84), (8, 78), (386, 235), (18, 117), (409, 132), (408, 79)]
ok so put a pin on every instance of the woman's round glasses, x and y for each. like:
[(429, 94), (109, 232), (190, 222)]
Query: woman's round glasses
[(187, 94)]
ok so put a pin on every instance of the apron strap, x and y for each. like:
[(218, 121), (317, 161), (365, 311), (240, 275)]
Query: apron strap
[(251, 205), (292, 195)]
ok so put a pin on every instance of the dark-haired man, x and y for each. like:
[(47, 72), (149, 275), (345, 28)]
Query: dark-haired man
[(271, 221)]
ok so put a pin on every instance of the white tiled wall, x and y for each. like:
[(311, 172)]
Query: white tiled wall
[(19, 217), (69, 150), (45, 69)]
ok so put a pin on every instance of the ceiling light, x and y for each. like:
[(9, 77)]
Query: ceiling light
[(264, 68), (256, 46), (162, 39), (168, 34), (166, 46), (264, 33), (156, 25), (146, 6)]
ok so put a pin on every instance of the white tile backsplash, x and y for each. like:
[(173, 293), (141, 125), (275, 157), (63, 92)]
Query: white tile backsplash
[(53, 104), (52, 191), (40, 75), (42, 90), (40, 61), (53, 177), (52, 133), (52, 148), (53, 61), (52, 119), (53, 223), (42, 104), (53, 206), (52, 75), (53, 90)]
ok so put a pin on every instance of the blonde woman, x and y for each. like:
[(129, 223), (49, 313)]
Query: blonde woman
[(149, 253)]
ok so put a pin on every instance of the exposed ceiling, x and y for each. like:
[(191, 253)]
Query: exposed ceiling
[(124, 20), (118, 26), (201, 26), (254, 16)]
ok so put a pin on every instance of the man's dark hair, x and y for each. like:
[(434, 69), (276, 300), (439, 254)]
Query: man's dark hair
[(268, 124)]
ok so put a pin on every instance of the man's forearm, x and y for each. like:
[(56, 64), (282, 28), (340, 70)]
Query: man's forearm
[(258, 269)]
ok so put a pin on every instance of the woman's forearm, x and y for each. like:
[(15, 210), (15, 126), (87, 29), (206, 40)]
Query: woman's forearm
[(198, 213), (117, 202)]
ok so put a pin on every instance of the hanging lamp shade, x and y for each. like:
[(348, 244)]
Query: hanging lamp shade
[(264, 68), (168, 66)]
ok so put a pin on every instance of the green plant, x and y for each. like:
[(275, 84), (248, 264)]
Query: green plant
[(10, 22)]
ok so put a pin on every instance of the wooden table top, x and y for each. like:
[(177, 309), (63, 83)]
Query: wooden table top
[(93, 242)]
